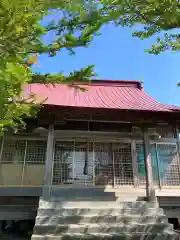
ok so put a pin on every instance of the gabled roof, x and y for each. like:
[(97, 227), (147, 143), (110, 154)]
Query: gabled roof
[(122, 95)]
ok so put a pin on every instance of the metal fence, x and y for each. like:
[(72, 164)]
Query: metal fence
[(165, 164), (98, 163), (92, 163), (22, 162)]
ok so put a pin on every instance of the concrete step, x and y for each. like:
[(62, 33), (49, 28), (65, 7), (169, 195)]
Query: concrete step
[(102, 228), (93, 194), (120, 219), (131, 236), (98, 211), (59, 203)]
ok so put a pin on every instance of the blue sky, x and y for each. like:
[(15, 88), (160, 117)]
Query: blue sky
[(119, 56)]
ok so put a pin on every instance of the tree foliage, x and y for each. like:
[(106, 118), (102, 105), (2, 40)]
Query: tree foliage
[(148, 17), (79, 21), (21, 43)]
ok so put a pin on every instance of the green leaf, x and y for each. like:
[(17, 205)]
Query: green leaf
[(21, 35)]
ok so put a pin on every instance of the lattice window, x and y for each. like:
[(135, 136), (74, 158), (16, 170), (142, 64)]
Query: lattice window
[(87, 163), (140, 162), (165, 164), (168, 164), (73, 163), (13, 151), (83, 163), (35, 152), (63, 163), (155, 164), (113, 164), (141, 166), (123, 164), (103, 164)]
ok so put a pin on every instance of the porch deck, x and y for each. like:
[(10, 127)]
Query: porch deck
[(120, 191)]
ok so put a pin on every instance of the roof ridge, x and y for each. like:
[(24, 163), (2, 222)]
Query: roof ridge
[(99, 82)]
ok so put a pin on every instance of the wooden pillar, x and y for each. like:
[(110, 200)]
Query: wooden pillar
[(112, 163), (134, 164), (150, 191), (177, 138), (48, 175)]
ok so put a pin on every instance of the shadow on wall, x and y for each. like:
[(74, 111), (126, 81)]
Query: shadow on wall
[(17, 230)]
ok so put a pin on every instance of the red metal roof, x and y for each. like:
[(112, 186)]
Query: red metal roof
[(100, 94)]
